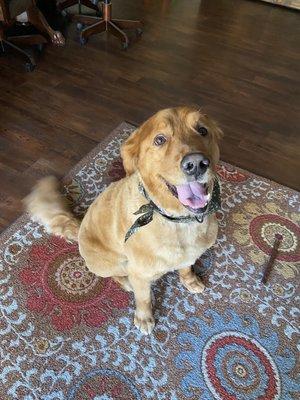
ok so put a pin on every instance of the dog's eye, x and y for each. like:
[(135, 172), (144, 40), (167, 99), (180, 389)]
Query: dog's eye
[(160, 140), (202, 130)]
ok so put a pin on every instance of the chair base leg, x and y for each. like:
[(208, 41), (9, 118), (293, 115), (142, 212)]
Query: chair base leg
[(113, 26), (119, 33), (68, 3), (85, 19), (90, 4), (30, 64), (127, 24), (93, 29)]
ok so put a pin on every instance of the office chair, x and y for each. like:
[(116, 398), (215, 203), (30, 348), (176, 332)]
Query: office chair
[(25, 12)]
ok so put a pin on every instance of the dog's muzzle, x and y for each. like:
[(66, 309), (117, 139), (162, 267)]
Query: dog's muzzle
[(194, 165)]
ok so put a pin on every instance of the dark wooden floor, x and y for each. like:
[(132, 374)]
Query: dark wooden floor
[(238, 59)]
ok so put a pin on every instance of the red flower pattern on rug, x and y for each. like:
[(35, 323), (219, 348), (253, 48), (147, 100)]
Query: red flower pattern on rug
[(116, 170), (60, 286), (230, 174), (263, 229)]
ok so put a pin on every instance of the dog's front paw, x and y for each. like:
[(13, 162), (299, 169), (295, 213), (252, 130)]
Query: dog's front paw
[(144, 324), (192, 283)]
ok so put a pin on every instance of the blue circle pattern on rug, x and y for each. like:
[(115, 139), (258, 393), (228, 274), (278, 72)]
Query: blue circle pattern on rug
[(241, 365), (226, 357)]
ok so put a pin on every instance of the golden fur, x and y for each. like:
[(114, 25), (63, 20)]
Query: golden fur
[(160, 246)]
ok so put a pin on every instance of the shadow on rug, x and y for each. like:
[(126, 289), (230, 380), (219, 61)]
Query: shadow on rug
[(66, 334)]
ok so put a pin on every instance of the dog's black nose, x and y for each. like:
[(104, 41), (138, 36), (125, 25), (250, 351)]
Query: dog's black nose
[(194, 164)]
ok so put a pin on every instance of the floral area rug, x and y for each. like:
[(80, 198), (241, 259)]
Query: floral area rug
[(66, 334)]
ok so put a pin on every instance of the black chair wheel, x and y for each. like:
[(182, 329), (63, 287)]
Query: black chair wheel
[(139, 31), (40, 47), (64, 13), (82, 40), (125, 45), (80, 26), (29, 67)]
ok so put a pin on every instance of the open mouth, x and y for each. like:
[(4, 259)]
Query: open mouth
[(192, 195)]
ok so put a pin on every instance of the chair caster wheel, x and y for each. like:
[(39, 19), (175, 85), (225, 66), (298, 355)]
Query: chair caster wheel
[(64, 13), (125, 45), (29, 67), (80, 26), (139, 31), (40, 47), (99, 12), (82, 40)]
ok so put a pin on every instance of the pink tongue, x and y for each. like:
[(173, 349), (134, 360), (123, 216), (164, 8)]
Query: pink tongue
[(192, 194)]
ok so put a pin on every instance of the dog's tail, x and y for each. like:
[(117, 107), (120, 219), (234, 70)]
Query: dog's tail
[(47, 206)]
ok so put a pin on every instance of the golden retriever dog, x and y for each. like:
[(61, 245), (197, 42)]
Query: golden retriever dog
[(159, 218)]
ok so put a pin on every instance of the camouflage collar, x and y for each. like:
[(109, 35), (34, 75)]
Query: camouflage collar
[(148, 210)]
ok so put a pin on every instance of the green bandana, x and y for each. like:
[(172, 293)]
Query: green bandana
[(147, 211)]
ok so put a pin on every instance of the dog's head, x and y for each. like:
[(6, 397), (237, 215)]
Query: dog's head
[(175, 153)]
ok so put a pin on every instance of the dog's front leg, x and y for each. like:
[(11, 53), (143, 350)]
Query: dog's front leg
[(143, 318), (190, 280)]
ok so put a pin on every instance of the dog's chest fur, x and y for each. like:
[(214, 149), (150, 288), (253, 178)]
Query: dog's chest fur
[(170, 246)]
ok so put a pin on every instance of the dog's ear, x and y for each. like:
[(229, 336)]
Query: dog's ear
[(218, 133), (130, 152)]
